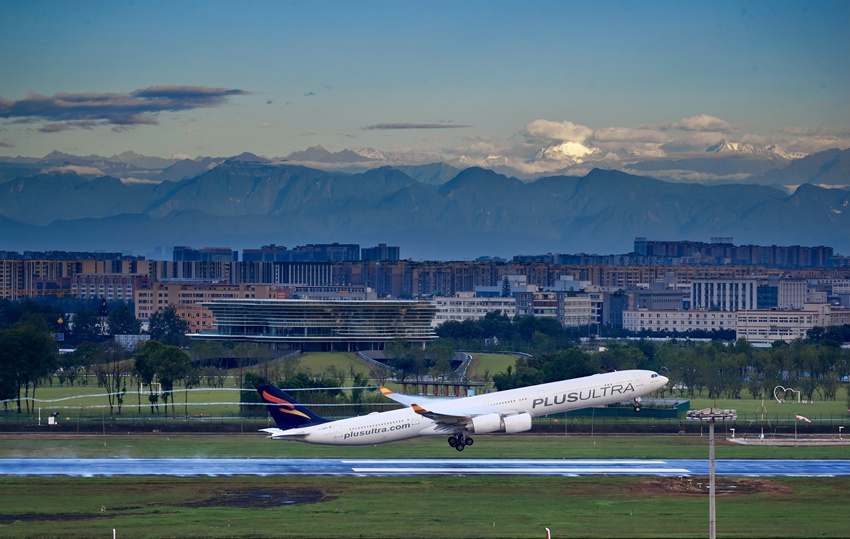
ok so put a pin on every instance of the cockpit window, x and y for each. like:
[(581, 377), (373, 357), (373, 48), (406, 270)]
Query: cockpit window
[(654, 375)]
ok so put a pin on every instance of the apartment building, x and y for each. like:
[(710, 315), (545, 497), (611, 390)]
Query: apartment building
[(182, 294), (767, 326), (678, 320), (468, 306), (109, 286), (760, 292)]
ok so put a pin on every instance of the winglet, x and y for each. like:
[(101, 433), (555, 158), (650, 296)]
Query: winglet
[(418, 409), (386, 392)]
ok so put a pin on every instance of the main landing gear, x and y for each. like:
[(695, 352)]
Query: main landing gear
[(637, 404), (460, 441)]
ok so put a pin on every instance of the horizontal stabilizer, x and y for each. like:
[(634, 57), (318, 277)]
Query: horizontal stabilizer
[(409, 400)]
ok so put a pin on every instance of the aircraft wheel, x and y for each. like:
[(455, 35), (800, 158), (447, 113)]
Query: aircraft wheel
[(637, 408), (453, 441), (469, 441), (460, 447)]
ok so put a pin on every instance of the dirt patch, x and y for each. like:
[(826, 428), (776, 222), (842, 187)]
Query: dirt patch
[(262, 498), (699, 486)]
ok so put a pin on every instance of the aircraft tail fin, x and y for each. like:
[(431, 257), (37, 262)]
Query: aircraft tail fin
[(286, 411)]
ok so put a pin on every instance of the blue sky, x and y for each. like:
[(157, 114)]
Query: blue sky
[(471, 79)]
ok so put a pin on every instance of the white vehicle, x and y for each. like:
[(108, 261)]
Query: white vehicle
[(507, 411)]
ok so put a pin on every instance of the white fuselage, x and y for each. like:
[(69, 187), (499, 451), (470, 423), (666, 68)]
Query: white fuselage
[(539, 400)]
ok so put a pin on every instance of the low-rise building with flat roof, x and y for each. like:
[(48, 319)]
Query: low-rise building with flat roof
[(321, 325)]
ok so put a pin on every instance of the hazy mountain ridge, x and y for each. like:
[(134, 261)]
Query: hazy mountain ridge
[(830, 167), (244, 204)]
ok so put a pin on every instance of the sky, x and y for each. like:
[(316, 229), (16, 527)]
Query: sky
[(461, 80)]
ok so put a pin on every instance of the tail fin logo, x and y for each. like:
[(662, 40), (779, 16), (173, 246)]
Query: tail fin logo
[(285, 406)]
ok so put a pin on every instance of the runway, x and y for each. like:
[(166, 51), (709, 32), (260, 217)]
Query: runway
[(415, 467)]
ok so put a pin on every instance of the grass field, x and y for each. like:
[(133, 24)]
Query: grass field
[(489, 363), (469, 507)]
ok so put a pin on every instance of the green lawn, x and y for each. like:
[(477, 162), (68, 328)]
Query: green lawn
[(751, 409), (492, 363), (468, 507), (319, 363), (455, 506)]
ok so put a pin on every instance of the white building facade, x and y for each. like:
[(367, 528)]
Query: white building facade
[(467, 306), (674, 320)]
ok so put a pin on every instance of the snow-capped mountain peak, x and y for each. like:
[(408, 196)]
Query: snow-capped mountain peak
[(725, 146), (572, 152)]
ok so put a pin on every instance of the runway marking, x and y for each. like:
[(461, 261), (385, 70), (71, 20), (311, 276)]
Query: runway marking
[(478, 462), (529, 471), (105, 467)]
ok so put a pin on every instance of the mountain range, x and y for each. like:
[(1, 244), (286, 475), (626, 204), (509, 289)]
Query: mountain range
[(432, 211)]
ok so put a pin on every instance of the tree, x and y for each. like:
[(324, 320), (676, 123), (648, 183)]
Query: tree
[(506, 287), (85, 326), (84, 356), (441, 359), (145, 368), (122, 321), (71, 365), (111, 367), (28, 355), (167, 327), (172, 365), (565, 365), (358, 382), (395, 348), (249, 400), (249, 353)]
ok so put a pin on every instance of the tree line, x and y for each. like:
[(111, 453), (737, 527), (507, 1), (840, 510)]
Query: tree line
[(29, 358)]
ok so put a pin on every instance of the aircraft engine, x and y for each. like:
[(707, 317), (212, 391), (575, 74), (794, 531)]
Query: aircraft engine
[(485, 423), (517, 423)]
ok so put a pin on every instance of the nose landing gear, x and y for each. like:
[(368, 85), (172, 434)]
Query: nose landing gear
[(637, 404), (460, 441)]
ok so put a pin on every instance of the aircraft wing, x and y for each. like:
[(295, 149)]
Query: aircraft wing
[(459, 414), (409, 400)]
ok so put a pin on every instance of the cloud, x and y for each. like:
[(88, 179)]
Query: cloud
[(6, 144), (813, 139), (65, 126), (77, 169), (266, 125), (565, 131), (628, 134), (701, 122), (139, 181), (66, 111), (414, 126)]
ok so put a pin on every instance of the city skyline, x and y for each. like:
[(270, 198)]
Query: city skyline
[(527, 83)]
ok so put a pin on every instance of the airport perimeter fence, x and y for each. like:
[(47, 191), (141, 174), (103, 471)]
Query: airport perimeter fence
[(189, 420)]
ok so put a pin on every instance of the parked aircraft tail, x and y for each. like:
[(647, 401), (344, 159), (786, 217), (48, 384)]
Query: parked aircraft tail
[(286, 411)]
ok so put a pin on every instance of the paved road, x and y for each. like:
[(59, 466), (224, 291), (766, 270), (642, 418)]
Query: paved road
[(408, 467)]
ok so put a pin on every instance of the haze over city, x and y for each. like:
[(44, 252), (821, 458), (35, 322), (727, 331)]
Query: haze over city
[(463, 81)]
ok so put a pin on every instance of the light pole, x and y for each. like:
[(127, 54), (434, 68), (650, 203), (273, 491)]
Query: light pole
[(711, 415)]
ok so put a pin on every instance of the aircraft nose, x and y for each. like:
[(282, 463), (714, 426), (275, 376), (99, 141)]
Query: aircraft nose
[(663, 380)]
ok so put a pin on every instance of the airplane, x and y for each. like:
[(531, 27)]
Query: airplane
[(508, 411)]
